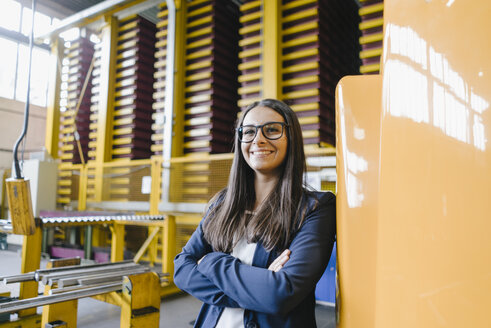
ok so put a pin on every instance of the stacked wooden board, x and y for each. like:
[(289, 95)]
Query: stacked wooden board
[(251, 39), (75, 67), (371, 27), (210, 93), (76, 63), (94, 107), (319, 46), (94, 114), (133, 98), (210, 105), (159, 84), (132, 115)]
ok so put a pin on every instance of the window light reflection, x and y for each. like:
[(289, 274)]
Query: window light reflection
[(455, 108), (353, 164)]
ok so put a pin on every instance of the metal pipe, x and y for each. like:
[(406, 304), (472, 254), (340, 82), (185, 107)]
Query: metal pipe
[(48, 279), (88, 241), (55, 291), (71, 267), (87, 16), (94, 279), (15, 306), (169, 98), (18, 278), (17, 174), (40, 275), (5, 225)]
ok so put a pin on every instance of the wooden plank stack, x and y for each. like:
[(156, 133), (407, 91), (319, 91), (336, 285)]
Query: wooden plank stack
[(75, 66), (319, 47), (371, 27), (132, 116), (251, 38), (210, 105)]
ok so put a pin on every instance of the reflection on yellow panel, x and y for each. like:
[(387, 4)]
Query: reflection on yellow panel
[(433, 265), (432, 248), (358, 109)]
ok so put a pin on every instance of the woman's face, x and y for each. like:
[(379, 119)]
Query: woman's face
[(263, 155)]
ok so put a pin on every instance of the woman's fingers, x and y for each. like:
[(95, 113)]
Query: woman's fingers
[(280, 261)]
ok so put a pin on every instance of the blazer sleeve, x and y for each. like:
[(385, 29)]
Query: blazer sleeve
[(190, 280), (262, 290)]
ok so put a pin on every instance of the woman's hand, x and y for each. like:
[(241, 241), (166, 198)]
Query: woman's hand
[(280, 261)]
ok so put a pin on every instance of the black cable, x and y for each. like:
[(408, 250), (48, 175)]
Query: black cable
[(17, 171)]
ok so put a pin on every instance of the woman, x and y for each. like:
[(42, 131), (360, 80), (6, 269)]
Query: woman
[(265, 240)]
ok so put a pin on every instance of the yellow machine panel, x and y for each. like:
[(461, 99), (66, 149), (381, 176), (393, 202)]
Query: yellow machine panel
[(426, 205), (357, 154)]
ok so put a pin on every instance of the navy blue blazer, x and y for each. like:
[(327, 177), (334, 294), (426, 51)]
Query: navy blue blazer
[(270, 299)]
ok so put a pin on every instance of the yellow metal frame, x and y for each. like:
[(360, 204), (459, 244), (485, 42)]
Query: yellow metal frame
[(140, 293), (31, 258), (179, 79), (64, 311), (31, 321), (53, 108), (271, 49), (109, 37)]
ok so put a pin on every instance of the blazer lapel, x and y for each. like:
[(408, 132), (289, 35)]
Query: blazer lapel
[(261, 256)]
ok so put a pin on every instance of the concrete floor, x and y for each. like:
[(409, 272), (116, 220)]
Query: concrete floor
[(175, 311)]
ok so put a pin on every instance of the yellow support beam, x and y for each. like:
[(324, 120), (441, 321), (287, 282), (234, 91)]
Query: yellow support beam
[(148, 241), (179, 78), (141, 291), (156, 174), (63, 311), (31, 257), (117, 242), (169, 250), (271, 49), (53, 108), (104, 123)]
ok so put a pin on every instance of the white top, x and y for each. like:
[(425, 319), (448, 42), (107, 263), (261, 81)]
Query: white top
[(234, 317)]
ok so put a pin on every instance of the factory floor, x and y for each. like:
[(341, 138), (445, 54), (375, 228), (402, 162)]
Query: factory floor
[(175, 311)]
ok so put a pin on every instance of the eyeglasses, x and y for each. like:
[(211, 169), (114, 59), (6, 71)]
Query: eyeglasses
[(270, 130)]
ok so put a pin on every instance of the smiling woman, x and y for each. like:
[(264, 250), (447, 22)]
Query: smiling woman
[(264, 144), (266, 239)]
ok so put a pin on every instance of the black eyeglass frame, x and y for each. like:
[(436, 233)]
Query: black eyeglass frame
[(261, 126)]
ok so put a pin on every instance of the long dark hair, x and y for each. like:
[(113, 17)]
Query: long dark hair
[(280, 214)]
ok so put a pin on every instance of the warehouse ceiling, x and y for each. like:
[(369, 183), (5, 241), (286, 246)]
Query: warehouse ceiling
[(74, 6)]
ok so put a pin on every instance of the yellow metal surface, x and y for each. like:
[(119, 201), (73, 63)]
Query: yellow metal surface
[(155, 192), (20, 206), (179, 78), (141, 294), (53, 108), (169, 249), (117, 242), (64, 311), (31, 321), (82, 193), (111, 298), (104, 123), (152, 233), (31, 258), (433, 264), (432, 219), (358, 101)]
